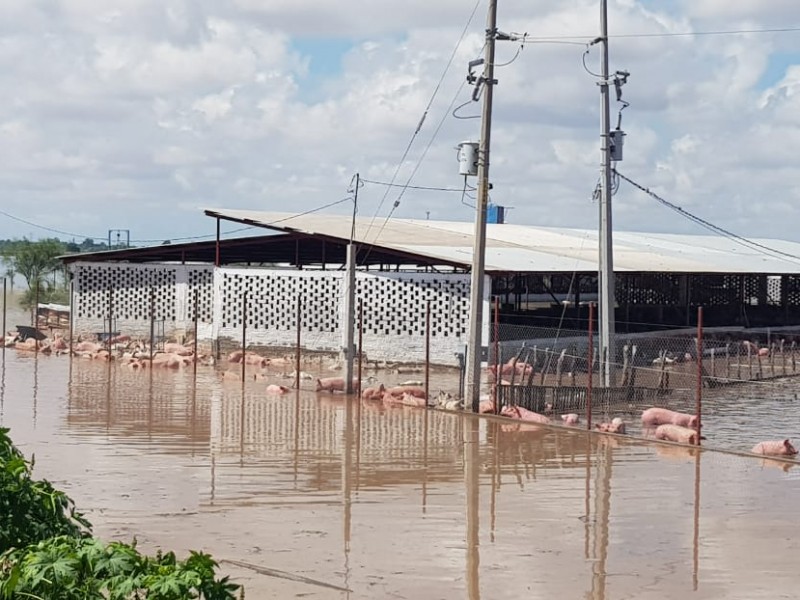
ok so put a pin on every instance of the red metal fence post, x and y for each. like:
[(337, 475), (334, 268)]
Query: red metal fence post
[(699, 407), (590, 360)]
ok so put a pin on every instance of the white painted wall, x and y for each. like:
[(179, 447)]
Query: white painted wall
[(394, 306)]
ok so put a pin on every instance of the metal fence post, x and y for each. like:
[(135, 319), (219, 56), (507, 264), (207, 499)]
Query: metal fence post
[(699, 406), (297, 346), (590, 361), (244, 336), (427, 353)]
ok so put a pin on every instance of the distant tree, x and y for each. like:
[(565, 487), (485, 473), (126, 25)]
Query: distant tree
[(35, 261)]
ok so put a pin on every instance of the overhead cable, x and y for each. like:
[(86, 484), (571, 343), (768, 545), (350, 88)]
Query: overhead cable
[(425, 113), (743, 241)]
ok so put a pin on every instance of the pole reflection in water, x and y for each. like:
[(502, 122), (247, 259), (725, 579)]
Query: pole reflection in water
[(359, 419), (424, 461), (347, 468), (696, 538), (602, 511), (471, 442), (296, 449), (35, 386), (214, 442), (494, 427), (3, 385), (587, 511), (193, 416), (241, 422)]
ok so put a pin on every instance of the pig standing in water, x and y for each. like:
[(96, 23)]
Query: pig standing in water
[(517, 412), (775, 448), (653, 417), (676, 433)]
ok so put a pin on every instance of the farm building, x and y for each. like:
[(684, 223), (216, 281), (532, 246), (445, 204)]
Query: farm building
[(542, 276)]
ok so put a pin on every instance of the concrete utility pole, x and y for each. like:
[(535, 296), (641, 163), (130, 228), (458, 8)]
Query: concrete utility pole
[(606, 270), (350, 298), (479, 249)]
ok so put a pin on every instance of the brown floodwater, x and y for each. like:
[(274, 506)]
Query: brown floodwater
[(399, 503)]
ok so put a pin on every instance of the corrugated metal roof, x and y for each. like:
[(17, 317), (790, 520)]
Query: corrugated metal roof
[(521, 248)]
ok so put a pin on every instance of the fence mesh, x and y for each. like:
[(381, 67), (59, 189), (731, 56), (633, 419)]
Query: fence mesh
[(740, 376)]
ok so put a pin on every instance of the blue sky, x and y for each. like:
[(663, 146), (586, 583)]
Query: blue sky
[(325, 56), (138, 115)]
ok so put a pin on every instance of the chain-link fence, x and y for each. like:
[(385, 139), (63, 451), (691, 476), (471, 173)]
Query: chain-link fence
[(729, 377)]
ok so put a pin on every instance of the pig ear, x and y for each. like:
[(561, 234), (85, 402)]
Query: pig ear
[(786, 443)]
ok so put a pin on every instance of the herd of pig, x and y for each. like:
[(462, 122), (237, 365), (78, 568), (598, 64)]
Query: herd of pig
[(121, 349), (661, 423)]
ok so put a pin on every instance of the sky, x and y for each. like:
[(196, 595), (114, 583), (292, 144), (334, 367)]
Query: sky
[(137, 114)]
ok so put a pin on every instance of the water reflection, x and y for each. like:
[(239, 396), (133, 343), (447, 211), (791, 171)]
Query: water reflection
[(35, 402), (472, 482), (403, 502), (2, 386)]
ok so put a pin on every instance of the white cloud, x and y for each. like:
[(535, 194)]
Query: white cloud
[(142, 107)]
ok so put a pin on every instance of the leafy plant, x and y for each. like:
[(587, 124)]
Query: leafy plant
[(68, 568), (46, 551), (31, 511)]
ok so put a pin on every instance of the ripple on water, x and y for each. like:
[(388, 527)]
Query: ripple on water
[(399, 505)]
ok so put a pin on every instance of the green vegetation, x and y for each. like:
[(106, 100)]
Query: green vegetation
[(38, 264), (47, 552)]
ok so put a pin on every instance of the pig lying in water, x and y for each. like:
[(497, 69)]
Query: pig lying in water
[(570, 419), (411, 390), (653, 417), (676, 433), (775, 448), (616, 425), (373, 393), (275, 389), (333, 384), (404, 399), (517, 412)]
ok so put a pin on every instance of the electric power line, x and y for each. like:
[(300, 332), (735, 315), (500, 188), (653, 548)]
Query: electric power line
[(665, 34), (192, 237), (412, 187), (424, 114), (743, 241), (416, 168), (50, 229)]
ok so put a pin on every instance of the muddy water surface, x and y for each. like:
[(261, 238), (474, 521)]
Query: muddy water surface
[(398, 503)]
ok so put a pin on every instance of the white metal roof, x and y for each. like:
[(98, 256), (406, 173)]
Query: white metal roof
[(525, 248)]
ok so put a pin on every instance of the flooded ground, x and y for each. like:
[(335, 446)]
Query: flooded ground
[(403, 503)]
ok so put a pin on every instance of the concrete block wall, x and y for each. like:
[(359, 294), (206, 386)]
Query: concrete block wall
[(394, 307)]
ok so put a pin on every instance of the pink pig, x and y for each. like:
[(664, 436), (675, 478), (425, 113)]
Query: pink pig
[(570, 419), (333, 384), (676, 433), (517, 412), (653, 417), (774, 448), (616, 425), (277, 389)]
